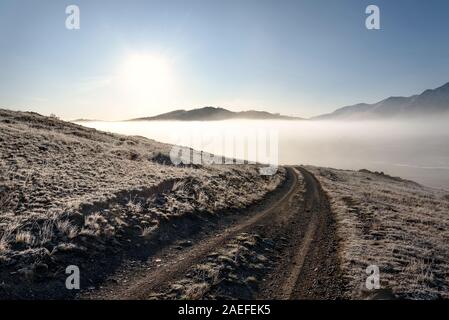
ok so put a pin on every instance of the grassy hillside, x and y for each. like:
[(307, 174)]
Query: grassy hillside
[(398, 225), (74, 195)]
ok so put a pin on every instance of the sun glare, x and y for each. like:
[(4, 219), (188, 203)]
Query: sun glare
[(147, 75)]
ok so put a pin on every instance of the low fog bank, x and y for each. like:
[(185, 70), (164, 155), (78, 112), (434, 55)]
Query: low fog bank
[(415, 149)]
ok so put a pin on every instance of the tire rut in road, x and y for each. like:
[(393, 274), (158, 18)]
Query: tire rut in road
[(309, 267), (157, 279), (304, 261), (319, 276)]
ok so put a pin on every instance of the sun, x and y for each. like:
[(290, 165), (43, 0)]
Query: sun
[(147, 75)]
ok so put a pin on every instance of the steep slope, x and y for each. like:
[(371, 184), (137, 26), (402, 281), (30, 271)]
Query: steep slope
[(74, 195)]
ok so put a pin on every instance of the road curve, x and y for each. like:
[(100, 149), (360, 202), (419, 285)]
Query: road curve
[(305, 264)]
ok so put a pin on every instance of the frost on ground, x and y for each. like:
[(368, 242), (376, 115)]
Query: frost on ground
[(398, 225), (69, 190), (232, 272)]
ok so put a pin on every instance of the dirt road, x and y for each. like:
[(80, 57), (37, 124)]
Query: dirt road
[(310, 266), (301, 261)]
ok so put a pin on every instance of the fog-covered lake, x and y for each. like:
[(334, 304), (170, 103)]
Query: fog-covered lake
[(416, 150)]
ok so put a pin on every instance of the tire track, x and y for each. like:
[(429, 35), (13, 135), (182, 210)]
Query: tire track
[(153, 280), (305, 261), (310, 266)]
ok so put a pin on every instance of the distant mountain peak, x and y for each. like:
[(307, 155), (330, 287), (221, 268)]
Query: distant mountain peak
[(431, 102), (445, 86), (210, 113)]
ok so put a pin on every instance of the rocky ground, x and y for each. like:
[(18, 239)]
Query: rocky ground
[(232, 271)]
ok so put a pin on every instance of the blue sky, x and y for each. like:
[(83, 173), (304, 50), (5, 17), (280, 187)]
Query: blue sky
[(294, 57)]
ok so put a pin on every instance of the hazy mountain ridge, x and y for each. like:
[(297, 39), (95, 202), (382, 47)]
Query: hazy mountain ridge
[(215, 114), (431, 102)]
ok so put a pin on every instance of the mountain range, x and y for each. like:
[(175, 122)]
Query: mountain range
[(432, 102)]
